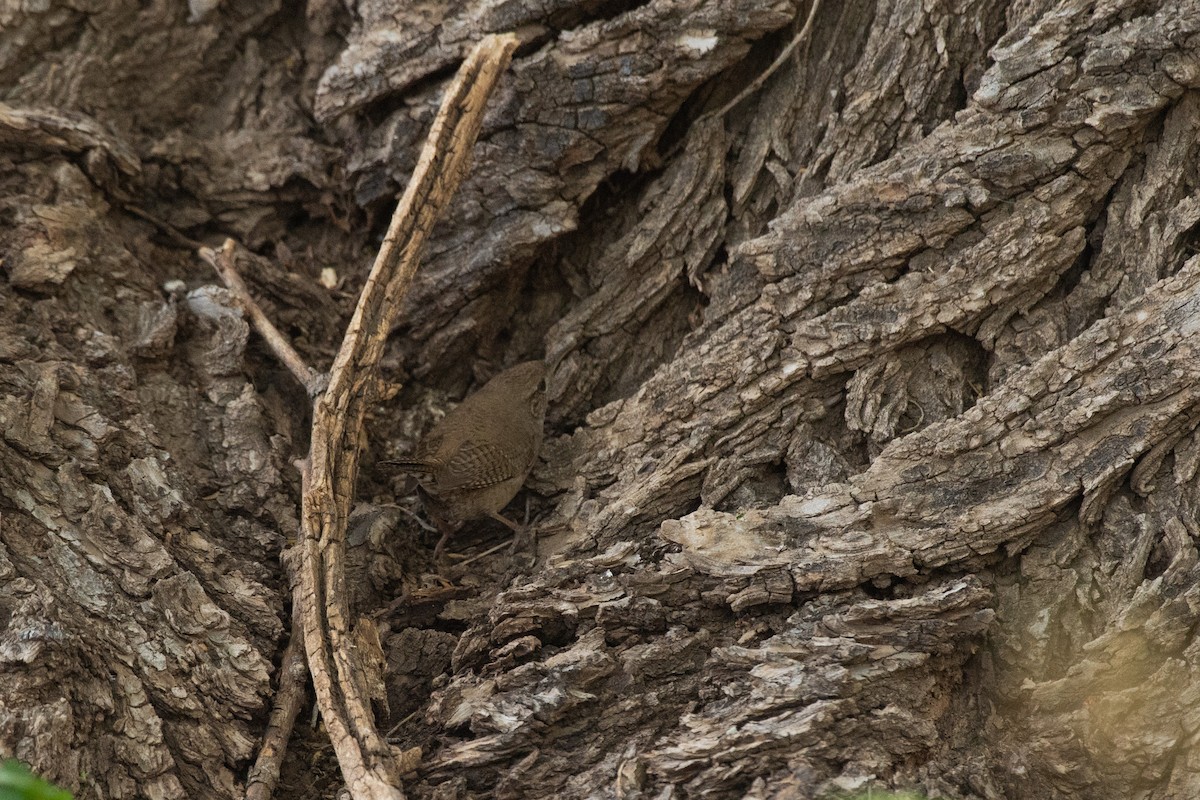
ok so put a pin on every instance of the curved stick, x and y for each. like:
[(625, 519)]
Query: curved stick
[(369, 765)]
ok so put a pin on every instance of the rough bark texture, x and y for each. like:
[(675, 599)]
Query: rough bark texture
[(872, 454)]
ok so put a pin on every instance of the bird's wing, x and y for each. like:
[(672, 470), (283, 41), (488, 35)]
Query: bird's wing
[(425, 461), (476, 465), (410, 465)]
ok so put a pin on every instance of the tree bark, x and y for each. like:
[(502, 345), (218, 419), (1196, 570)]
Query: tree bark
[(872, 444)]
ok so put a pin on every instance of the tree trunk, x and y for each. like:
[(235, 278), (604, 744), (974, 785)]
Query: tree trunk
[(872, 448)]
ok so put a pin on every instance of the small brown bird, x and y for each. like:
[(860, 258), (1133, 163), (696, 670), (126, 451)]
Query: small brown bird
[(474, 461)]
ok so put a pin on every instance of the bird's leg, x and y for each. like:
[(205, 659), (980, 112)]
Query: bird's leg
[(513, 526), (446, 530), (521, 534), (530, 536)]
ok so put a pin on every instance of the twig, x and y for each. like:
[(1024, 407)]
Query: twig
[(412, 515), (485, 553), (293, 677), (396, 727), (165, 227), (423, 597), (780, 60), (370, 767), (222, 261)]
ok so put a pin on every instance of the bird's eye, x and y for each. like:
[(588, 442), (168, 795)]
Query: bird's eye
[(542, 385)]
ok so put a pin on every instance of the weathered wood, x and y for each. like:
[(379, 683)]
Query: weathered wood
[(337, 648), (1066, 429), (963, 230)]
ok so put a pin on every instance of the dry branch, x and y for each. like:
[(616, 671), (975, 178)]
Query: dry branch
[(222, 261), (369, 765), (292, 675), (289, 696)]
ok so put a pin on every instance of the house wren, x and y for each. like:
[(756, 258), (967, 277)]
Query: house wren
[(474, 461)]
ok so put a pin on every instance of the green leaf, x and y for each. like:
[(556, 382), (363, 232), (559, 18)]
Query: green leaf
[(18, 783)]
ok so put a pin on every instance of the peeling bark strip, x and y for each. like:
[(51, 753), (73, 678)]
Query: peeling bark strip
[(105, 156), (1069, 427), (369, 765)]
